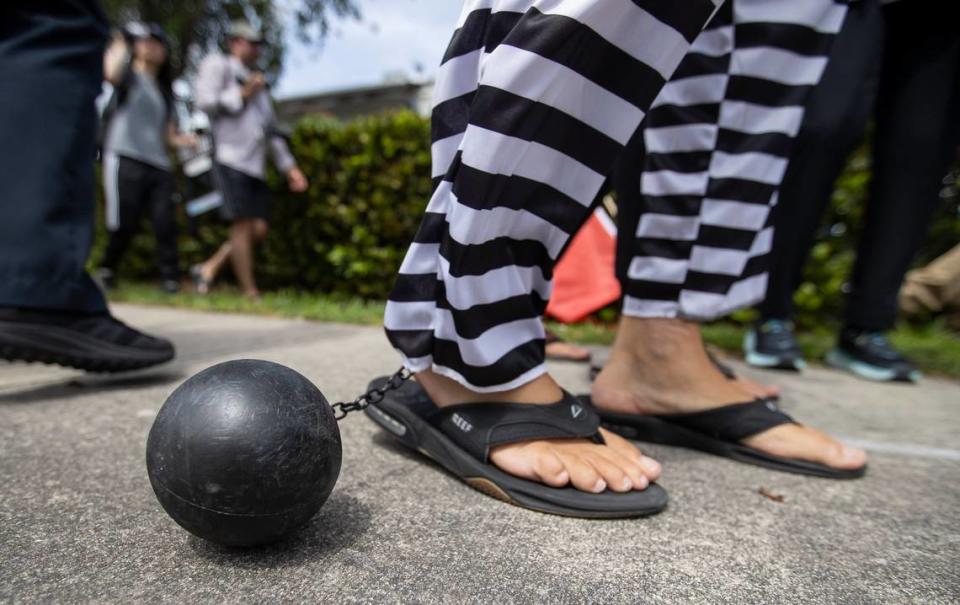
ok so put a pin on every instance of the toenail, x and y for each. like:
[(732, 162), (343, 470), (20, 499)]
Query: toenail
[(650, 464), (599, 486), (627, 483), (563, 477)]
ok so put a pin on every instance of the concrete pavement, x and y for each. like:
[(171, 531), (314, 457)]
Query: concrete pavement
[(79, 522)]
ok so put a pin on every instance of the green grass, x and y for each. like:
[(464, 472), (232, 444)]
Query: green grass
[(932, 347), (282, 303), (935, 349)]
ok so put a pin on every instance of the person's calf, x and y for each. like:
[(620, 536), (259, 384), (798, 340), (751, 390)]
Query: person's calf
[(241, 253), (259, 229)]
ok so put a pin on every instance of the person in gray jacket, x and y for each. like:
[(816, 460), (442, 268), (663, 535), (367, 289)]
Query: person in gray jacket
[(140, 129), (234, 95)]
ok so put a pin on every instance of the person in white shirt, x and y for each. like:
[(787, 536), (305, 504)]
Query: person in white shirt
[(234, 95)]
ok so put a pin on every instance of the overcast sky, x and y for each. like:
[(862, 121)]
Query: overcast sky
[(394, 35)]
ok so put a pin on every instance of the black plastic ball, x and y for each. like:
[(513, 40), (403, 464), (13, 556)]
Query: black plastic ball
[(244, 453)]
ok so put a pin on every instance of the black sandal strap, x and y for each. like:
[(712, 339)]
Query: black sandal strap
[(723, 368), (476, 427), (733, 422)]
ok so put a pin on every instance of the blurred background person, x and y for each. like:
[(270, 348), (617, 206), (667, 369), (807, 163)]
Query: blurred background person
[(898, 63), (234, 95), (934, 289), (140, 126), (51, 57)]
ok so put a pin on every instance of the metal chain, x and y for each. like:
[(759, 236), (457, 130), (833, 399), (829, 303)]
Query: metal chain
[(342, 408)]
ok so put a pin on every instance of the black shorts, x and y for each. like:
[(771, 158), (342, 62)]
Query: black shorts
[(243, 195)]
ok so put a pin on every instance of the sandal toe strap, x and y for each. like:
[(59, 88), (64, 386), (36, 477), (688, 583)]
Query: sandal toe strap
[(478, 427)]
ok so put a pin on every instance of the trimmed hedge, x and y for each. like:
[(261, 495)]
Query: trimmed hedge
[(369, 184), (346, 236)]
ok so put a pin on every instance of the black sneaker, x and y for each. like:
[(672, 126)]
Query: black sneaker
[(773, 344), (870, 355), (96, 343), (170, 286)]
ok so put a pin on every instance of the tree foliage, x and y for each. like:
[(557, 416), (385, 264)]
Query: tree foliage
[(197, 27)]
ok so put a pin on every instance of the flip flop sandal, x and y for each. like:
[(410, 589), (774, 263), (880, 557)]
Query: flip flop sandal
[(201, 284), (459, 438), (718, 431), (552, 338), (728, 372)]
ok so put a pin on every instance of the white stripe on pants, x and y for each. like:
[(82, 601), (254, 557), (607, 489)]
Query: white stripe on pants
[(717, 144)]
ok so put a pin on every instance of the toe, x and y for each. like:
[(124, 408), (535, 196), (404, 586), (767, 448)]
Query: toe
[(806, 443), (615, 477), (633, 470), (848, 457), (583, 475), (823, 448), (651, 468), (549, 469)]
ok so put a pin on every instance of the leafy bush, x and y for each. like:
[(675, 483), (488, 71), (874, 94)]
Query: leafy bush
[(369, 184)]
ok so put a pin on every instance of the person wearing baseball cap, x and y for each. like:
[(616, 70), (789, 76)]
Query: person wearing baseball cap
[(139, 129), (233, 93)]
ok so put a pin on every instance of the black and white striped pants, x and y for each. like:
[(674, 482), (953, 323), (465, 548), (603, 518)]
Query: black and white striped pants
[(534, 103), (715, 148)]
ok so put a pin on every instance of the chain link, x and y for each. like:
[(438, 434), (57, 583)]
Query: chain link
[(342, 408)]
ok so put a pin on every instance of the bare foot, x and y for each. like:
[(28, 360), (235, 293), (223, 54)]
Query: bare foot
[(616, 465), (202, 278), (659, 366), (567, 351)]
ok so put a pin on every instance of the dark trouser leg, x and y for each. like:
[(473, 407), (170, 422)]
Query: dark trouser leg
[(917, 127), (131, 187), (833, 125), (164, 224), (51, 57)]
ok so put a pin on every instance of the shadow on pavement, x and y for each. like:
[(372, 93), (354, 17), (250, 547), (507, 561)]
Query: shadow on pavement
[(85, 384), (381, 439), (341, 521), (192, 350)]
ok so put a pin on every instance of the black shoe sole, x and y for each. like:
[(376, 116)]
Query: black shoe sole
[(56, 345)]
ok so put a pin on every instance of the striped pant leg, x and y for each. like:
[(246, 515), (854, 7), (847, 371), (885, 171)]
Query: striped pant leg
[(716, 158), (534, 102), (678, 139)]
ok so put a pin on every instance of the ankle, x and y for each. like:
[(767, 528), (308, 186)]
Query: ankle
[(446, 391), (654, 341)]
